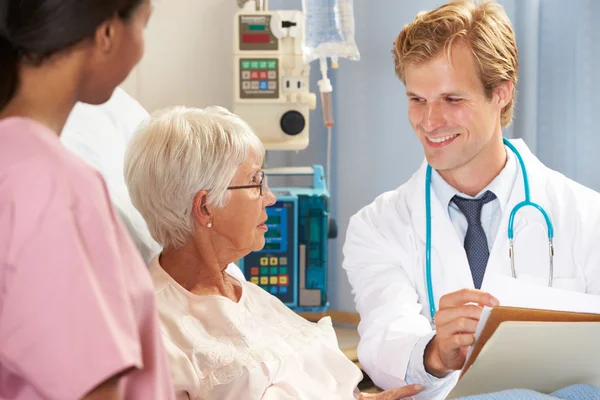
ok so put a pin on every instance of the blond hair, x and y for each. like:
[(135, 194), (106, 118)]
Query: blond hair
[(179, 152), (483, 26)]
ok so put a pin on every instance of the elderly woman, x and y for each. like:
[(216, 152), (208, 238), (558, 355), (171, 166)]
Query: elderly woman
[(195, 176)]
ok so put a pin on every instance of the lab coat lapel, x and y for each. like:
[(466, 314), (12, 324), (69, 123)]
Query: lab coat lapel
[(499, 261), (449, 265)]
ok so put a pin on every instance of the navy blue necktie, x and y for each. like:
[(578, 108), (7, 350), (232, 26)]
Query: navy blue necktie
[(476, 245)]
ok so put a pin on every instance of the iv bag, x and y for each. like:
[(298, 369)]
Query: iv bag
[(329, 30)]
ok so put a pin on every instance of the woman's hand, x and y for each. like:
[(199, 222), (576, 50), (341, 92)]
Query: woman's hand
[(404, 392)]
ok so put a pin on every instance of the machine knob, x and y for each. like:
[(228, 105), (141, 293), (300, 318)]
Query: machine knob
[(292, 122)]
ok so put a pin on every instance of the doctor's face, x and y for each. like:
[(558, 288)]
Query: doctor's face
[(449, 111)]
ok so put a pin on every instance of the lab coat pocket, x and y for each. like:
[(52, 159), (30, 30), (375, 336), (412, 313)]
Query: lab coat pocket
[(571, 284), (533, 279)]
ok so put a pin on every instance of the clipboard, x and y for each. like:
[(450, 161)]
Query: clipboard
[(541, 350)]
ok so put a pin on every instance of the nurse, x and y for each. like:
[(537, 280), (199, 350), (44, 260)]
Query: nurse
[(418, 256), (78, 315)]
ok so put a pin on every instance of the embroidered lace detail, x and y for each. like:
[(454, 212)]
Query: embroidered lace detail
[(248, 338)]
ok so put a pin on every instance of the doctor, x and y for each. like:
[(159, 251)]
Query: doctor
[(459, 65)]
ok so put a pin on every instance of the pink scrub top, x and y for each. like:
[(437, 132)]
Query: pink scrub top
[(77, 303)]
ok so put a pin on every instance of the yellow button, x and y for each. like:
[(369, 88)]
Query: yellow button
[(273, 280), (274, 260), (254, 280), (283, 279), (264, 280), (264, 261)]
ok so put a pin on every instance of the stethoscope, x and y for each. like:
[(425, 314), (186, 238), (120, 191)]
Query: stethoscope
[(511, 220)]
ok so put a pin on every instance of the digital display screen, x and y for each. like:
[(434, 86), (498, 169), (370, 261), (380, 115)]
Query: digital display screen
[(273, 233), (272, 246), (274, 220), (255, 38)]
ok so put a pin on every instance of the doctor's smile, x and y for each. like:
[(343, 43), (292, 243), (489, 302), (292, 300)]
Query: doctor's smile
[(441, 141)]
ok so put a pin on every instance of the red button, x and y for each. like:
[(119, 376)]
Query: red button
[(255, 38), (254, 75), (263, 74), (254, 270)]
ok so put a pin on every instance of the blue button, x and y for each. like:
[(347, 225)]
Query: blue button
[(264, 85), (273, 290), (283, 289)]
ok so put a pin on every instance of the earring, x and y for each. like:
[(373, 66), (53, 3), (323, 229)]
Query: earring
[(209, 225)]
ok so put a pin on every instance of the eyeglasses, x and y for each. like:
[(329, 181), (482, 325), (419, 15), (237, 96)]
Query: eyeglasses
[(260, 185)]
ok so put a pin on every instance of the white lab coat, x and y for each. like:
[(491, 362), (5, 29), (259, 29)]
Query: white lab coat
[(384, 256)]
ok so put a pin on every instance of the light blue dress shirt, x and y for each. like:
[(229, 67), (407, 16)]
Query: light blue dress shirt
[(492, 212)]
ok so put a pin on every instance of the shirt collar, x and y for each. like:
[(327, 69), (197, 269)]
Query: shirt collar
[(501, 186)]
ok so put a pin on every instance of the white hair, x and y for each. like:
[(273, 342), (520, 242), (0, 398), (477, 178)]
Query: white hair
[(179, 152)]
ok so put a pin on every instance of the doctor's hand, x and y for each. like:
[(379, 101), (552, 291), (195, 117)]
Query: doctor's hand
[(455, 322), (405, 392)]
